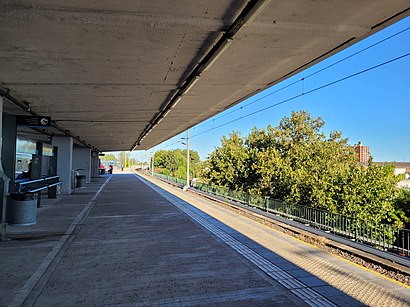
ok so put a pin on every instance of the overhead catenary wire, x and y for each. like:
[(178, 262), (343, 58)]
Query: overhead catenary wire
[(161, 147), (305, 93), (305, 77), (212, 121)]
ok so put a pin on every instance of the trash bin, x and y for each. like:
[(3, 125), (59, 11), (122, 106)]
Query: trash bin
[(81, 181), (22, 209)]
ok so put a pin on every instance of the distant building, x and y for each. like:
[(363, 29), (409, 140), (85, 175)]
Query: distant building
[(400, 168), (363, 153)]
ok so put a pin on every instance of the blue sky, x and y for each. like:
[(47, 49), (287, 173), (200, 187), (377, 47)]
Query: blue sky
[(373, 108)]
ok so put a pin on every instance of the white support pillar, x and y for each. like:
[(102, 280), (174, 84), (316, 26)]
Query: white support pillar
[(64, 162), (82, 161)]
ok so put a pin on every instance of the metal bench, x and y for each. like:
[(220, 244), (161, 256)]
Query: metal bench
[(38, 185)]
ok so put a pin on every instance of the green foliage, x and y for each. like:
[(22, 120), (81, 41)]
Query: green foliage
[(368, 193), (109, 157), (296, 162), (173, 162), (402, 208), (226, 165), (125, 159)]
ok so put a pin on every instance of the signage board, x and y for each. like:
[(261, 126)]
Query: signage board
[(47, 150), (34, 121)]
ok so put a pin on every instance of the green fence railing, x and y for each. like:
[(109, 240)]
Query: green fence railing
[(172, 179), (382, 236)]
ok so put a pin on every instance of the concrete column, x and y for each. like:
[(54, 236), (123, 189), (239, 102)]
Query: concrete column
[(95, 164), (82, 161), (64, 161), (8, 149), (36, 167), (52, 171), (6, 146), (8, 135), (37, 161)]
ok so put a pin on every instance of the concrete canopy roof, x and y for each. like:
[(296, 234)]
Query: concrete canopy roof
[(110, 72)]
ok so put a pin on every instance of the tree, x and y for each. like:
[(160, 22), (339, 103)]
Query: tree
[(368, 193), (226, 166), (109, 157), (173, 162), (402, 208), (124, 158), (296, 162)]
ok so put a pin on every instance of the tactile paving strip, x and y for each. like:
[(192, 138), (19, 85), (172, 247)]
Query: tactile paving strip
[(361, 289), (364, 291), (308, 295)]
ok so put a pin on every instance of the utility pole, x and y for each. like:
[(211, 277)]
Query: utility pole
[(148, 162), (187, 158), (152, 169)]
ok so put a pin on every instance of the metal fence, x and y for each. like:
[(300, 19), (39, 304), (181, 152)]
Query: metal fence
[(172, 179), (381, 236)]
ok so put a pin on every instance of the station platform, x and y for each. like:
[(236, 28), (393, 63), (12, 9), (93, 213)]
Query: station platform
[(129, 240)]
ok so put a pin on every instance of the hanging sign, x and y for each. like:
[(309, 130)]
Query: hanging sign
[(33, 121)]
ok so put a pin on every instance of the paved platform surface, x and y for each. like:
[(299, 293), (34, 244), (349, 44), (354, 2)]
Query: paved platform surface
[(293, 263), (137, 244)]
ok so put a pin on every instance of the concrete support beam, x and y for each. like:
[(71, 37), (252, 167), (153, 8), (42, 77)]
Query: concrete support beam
[(95, 164), (82, 161), (64, 162)]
